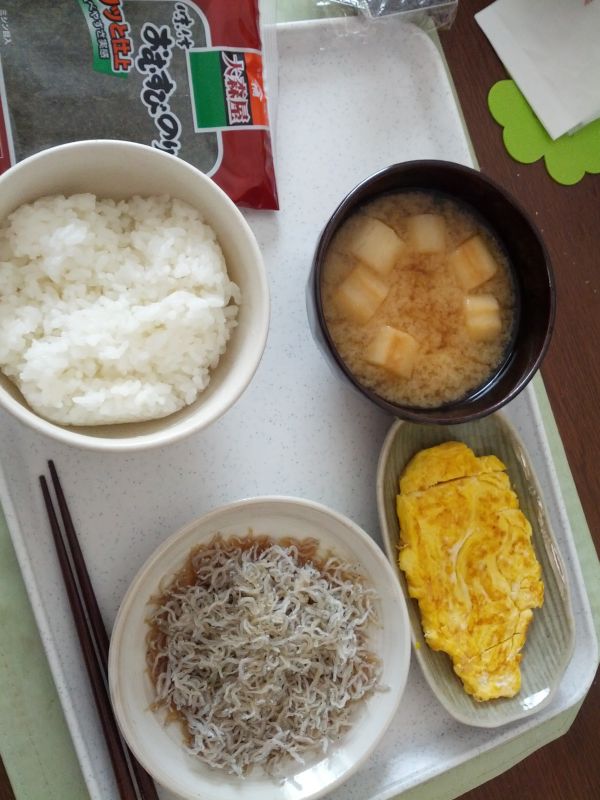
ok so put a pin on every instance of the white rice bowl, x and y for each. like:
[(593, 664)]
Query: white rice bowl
[(111, 311)]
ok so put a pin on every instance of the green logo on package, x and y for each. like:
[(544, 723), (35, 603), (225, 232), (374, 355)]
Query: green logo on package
[(111, 36), (227, 88)]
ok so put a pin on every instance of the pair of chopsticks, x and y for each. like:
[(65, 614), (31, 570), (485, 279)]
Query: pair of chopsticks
[(133, 781)]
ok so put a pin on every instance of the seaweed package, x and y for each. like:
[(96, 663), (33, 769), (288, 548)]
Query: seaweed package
[(185, 76)]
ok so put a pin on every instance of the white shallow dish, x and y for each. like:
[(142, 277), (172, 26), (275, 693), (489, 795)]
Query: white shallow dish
[(550, 638), (160, 749), (296, 430)]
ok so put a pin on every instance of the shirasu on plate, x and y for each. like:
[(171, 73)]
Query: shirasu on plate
[(260, 650)]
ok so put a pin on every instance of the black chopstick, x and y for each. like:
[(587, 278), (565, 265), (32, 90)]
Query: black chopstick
[(133, 781), (6, 790)]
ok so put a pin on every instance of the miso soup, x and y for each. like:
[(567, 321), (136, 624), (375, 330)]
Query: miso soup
[(419, 298)]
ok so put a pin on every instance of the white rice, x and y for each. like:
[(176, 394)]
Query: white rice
[(111, 311)]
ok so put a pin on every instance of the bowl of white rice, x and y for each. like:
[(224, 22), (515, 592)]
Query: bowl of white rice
[(134, 304)]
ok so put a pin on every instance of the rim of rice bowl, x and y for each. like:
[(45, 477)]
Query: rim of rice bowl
[(96, 167)]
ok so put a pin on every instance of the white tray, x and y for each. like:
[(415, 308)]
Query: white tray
[(347, 107)]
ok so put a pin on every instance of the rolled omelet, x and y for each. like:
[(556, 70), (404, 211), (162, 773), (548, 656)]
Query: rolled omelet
[(466, 551)]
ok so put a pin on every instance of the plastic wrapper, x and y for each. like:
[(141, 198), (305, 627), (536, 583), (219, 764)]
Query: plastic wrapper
[(439, 13), (185, 76)]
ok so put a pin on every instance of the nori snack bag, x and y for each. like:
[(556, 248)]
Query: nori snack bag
[(185, 77)]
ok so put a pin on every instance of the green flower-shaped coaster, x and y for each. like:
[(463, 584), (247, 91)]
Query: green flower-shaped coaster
[(567, 158)]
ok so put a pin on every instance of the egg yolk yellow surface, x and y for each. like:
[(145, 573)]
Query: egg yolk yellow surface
[(466, 551)]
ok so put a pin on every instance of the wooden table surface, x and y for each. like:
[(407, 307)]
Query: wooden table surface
[(569, 219)]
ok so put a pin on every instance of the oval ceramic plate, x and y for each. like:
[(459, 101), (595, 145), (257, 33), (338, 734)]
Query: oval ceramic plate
[(160, 748), (550, 637)]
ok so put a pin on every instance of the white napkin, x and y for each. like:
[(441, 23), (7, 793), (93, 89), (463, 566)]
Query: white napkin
[(551, 48)]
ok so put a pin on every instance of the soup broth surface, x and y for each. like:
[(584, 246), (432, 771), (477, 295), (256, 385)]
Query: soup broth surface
[(425, 300)]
